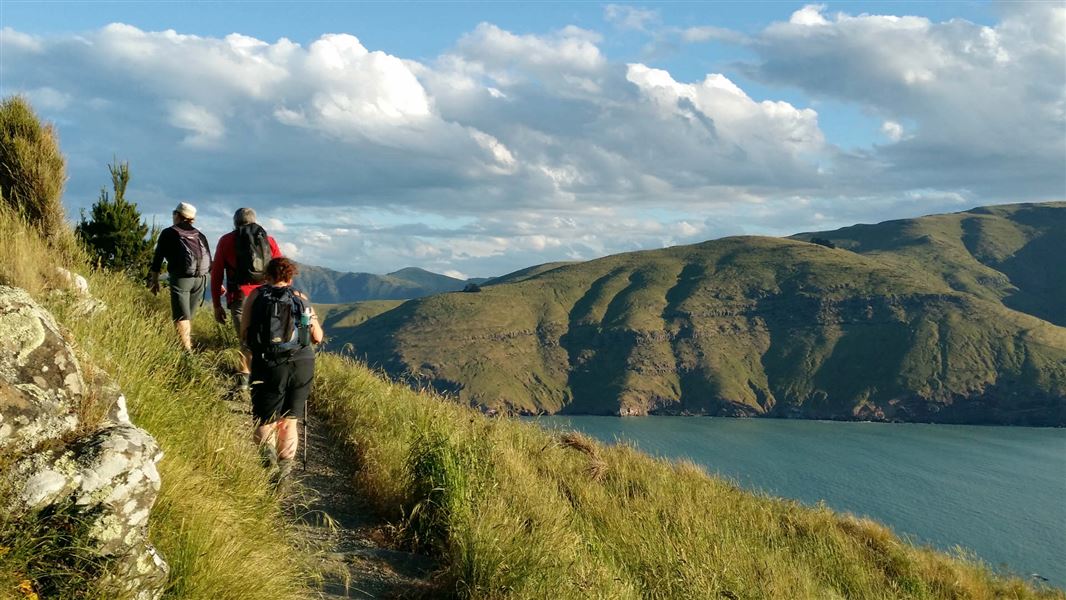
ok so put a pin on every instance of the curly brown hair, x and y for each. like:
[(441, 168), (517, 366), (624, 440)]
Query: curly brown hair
[(282, 269)]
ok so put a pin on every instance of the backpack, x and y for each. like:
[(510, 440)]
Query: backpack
[(275, 316), (195, 258), (253, 254)]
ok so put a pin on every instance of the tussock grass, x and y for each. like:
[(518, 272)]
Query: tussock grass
[(32, 168), (216, 521), (515, 511)]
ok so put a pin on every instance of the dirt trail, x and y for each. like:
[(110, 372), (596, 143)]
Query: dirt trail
[(357, 562), (342, 531)]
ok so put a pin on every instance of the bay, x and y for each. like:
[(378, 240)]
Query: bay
[(999, 492)]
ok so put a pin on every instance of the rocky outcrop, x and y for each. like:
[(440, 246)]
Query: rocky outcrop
[(107, 475), (77, 288), (40, 381)]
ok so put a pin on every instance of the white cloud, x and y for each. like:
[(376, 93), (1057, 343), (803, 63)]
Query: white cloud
[(892, 130), (985, 106), (524, 148), (708, 33), (206, 128), (10, 38), (627, 17), (48, 98), (289, 249), (731, 116), (507, 57), (810, 14)]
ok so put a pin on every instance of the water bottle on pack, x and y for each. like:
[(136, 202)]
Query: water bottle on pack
[(305, 327)]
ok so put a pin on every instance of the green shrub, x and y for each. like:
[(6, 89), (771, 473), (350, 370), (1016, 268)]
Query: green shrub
[(114, 232), (32, 168)]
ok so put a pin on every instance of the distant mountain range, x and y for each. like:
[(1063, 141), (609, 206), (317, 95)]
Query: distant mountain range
[(332, 287), (946, 318)]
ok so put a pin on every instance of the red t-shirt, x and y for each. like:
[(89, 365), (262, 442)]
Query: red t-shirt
[(225, 264)]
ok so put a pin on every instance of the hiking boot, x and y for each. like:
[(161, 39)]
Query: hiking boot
[(284, 475), (269, 455), (242, 389)]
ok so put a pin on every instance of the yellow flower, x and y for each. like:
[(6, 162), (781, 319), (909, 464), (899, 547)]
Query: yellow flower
[(26, 587)]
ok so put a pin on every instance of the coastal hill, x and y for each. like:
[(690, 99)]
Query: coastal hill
[(946, 318), (329, 286)]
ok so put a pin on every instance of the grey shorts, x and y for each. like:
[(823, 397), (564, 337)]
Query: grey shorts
[(186, 295), (235, 313), (236, 310)]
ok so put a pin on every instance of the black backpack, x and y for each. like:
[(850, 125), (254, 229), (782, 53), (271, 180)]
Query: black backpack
[(253, 254), (196, 259), (273, 331)]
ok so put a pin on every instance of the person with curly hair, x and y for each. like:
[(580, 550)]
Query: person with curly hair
[(283, 363)]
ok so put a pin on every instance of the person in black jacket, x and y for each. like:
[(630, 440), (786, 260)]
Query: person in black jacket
[(188, 258), (281, 383)]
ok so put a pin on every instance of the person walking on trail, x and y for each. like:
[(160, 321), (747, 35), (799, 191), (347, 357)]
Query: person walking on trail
[(279, 326), (241, 258), (188, 258)]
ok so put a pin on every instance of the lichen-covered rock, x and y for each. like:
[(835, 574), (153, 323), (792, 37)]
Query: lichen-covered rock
[(84, 303), (76, 283), (108, 476), (40, 381)]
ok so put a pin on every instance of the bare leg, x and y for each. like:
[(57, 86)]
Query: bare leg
[(265, 437), (264, 434), (288, 438), (184, 328)]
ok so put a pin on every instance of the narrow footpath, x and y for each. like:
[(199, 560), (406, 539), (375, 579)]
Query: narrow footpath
[(357, 561), (350, 541)]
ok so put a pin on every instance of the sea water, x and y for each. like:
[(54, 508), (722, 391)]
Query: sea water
[(999, 492)]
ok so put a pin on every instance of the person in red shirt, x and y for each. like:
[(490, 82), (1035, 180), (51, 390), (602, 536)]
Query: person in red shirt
[(235, 260)]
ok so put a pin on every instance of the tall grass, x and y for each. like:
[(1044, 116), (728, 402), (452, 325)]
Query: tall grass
[(518, 512), (32, 168), (216, 521)]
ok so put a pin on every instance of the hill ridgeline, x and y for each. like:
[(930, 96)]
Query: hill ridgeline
[(329, 286), (946, 318)]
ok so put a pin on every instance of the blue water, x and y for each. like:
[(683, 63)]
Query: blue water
[(997, 491)]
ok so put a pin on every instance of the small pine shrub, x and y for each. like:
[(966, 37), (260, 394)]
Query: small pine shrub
[(114, 233), (32, 168)]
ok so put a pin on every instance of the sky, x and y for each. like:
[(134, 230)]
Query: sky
[(477, 138)]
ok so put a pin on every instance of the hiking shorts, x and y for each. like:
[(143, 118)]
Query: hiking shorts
[(186, 295), (281, 390)]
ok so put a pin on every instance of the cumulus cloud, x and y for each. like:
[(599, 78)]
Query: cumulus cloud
[(206, 129), (987, 103), (510, 149)]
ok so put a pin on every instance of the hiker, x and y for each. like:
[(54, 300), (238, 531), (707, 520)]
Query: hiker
[(241, 257), (283, 362), (188, 258)]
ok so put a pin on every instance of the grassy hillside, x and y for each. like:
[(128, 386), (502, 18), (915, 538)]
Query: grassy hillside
[(1009, 254), (216, 521), (518, 512), (333, 287), (526, 273), (908, 328), (341, 319)]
